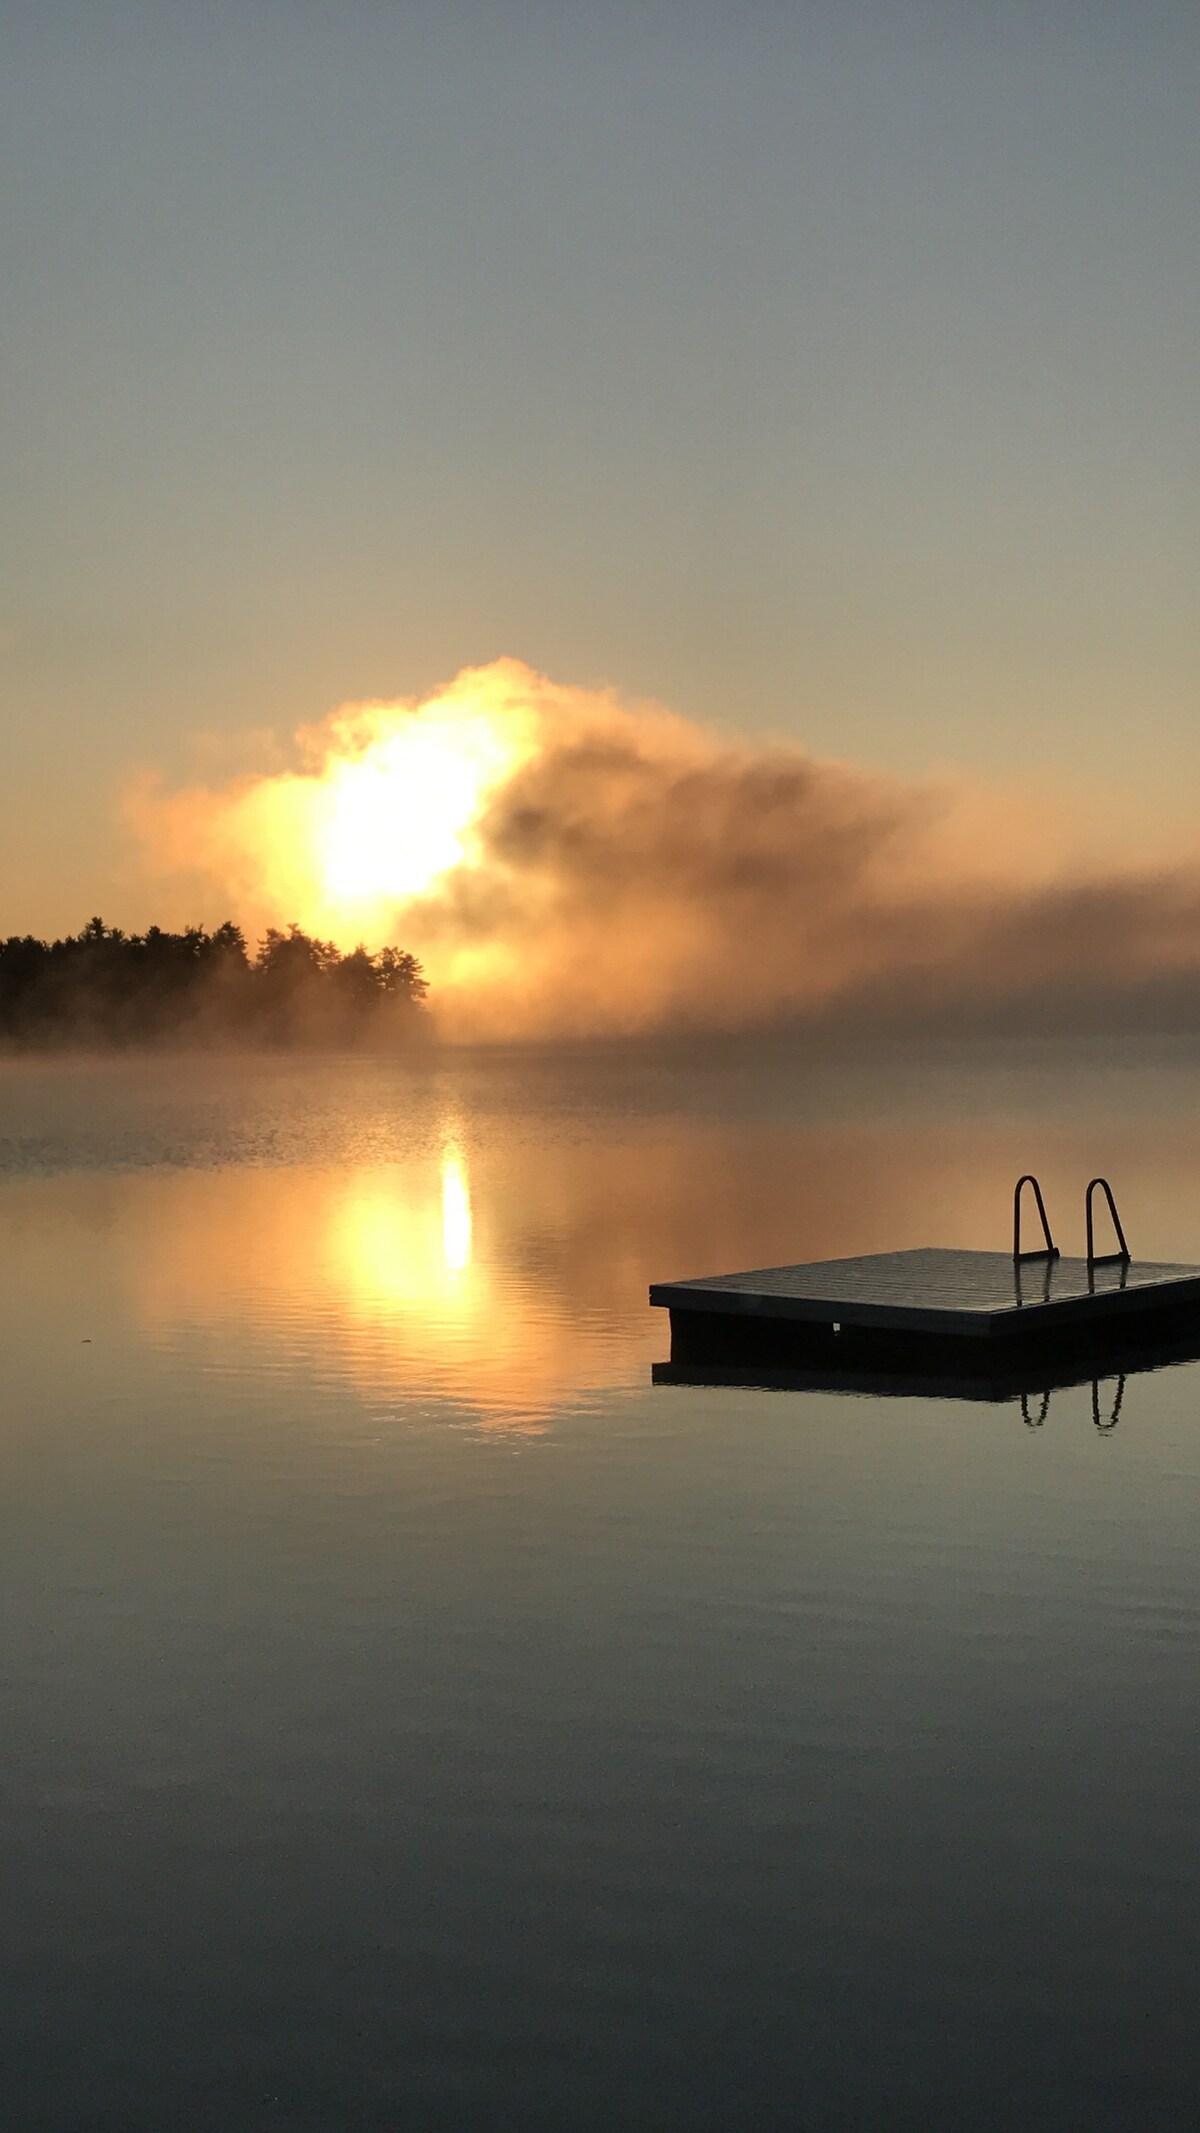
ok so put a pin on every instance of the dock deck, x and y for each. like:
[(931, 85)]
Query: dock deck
[(977, 1294)]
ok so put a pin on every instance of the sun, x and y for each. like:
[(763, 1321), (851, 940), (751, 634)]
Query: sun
[(389, 801), (386, 803), (395, 818), (398, 815)]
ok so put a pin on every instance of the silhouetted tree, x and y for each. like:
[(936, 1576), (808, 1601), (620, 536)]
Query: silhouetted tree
[(400, 976), (103, 986)]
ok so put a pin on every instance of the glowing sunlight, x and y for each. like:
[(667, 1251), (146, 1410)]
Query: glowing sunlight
[(456, 1213), (397, 815)]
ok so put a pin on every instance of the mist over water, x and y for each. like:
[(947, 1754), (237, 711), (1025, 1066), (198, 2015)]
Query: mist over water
[(567, 864)]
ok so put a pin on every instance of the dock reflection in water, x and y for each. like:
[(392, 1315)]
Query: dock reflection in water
[(1033, 1401)]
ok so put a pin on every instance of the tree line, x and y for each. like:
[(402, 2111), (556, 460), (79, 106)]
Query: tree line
[(103, 986)]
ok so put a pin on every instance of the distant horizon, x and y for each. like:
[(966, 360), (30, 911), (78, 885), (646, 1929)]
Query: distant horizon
[(149, 1006)]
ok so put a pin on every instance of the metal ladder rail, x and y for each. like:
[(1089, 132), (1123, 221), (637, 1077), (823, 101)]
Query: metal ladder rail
[(1050, 1249), (1095, 1258)]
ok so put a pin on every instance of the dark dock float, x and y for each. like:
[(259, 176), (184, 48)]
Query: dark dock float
[(995, 1378), (971, 1316)]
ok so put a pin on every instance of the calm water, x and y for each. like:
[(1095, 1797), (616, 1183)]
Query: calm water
[(415, 1719)]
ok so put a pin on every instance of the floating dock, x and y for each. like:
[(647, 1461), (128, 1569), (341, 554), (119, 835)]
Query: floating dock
[(965, 1312)]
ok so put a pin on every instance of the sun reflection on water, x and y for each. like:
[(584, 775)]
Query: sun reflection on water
[(395, 1241), (456, 1212), (407, 1278)]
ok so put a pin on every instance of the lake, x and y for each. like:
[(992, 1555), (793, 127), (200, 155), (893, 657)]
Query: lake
[(416, 1718)]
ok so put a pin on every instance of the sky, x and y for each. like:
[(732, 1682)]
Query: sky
[(822, 372)]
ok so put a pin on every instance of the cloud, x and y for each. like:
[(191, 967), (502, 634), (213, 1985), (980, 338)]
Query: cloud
[(605, 868)]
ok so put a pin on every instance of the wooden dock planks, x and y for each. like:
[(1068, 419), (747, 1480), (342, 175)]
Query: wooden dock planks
[(936, 1293)]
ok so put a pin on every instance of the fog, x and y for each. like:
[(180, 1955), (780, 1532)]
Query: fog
[(614, 869)]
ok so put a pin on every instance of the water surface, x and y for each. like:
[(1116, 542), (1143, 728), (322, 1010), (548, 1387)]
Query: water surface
[(415, 1718)]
